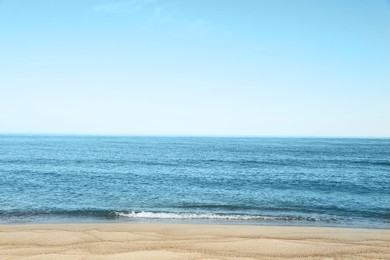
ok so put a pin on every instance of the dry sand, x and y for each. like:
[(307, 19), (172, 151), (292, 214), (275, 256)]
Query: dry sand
[(177, 241)]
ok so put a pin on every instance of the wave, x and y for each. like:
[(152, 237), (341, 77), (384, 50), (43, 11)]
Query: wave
[(87, 213), (209, 216), (115, 214)]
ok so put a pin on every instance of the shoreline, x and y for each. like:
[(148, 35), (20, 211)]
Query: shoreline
[(190, 241), (197, 222)]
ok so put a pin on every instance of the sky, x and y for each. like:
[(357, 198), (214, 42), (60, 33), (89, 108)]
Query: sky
[(195, 67)]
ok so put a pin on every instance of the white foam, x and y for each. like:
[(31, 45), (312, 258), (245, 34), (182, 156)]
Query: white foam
[(170, 215)]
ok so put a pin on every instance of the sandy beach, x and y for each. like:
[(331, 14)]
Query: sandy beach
[(179, 241)]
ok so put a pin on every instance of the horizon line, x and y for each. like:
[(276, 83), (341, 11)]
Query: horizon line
[(194, 135)]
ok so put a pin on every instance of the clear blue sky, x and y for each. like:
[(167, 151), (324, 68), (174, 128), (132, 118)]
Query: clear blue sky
[(195, 67)]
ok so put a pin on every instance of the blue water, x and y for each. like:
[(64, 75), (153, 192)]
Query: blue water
[(286, 181)]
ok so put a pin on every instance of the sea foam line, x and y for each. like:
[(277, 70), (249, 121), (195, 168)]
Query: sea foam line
[(185, 215)]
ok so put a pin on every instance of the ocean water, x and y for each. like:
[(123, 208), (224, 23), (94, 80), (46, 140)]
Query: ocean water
[(265, 181)]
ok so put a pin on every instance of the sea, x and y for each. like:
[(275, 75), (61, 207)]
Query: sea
[(228, 180)]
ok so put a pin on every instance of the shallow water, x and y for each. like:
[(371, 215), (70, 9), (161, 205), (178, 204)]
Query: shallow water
[(313, 181)]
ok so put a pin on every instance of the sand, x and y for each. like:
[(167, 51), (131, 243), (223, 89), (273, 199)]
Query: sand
[(179, 241)]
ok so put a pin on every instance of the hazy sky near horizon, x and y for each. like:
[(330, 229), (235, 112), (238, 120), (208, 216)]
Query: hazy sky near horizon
[(195, 67)]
